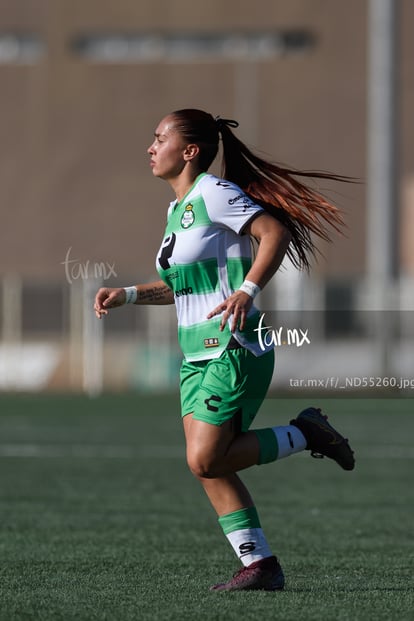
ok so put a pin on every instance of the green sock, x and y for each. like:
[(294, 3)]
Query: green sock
[(269, 447)]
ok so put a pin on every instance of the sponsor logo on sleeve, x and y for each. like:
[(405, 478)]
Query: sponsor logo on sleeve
[(241, 199)]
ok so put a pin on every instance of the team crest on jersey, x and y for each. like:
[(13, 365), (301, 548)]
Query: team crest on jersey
[(188, 216)]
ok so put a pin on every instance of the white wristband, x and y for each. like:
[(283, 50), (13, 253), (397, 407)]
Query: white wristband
[(131, 295), (250, 288)]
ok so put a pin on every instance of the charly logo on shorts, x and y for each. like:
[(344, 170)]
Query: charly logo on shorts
[(188, 216)]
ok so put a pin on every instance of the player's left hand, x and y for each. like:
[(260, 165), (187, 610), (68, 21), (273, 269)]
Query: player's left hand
[(238, 305)]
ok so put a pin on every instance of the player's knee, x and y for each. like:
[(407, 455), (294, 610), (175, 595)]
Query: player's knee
[(202, 465)]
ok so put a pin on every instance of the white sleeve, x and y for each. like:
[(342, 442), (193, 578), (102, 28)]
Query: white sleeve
[(228, 205)]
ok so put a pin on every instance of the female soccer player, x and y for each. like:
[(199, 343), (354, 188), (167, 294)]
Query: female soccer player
[(207, 270)]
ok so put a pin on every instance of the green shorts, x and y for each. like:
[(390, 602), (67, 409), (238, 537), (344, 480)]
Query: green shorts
[(233, 385)]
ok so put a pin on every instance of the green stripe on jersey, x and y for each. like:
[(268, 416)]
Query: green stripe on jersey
[(201, 276), (204, 337), (237, 270)]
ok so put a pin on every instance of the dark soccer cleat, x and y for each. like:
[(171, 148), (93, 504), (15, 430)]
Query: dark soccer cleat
[(263, 575), (322, 439)]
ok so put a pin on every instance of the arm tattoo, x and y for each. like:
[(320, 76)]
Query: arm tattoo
[(155, 294)]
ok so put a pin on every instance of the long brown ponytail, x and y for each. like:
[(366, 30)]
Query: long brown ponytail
[(303, 210)]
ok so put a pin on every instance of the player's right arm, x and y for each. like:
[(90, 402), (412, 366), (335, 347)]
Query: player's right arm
[(151, 293)]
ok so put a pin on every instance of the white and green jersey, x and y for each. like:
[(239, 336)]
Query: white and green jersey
[(204, 258)]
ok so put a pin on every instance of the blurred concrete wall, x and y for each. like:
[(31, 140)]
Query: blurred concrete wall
[(74, 174)]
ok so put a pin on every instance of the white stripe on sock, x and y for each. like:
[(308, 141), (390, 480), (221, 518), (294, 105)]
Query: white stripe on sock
[(290, 440)]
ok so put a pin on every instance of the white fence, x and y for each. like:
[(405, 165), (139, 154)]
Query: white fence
[(326, 335)]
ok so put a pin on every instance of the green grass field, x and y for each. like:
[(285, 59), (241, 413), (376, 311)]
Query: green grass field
[(101, 520)]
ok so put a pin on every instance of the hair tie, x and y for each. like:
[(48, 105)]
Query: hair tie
[(225, 123)]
